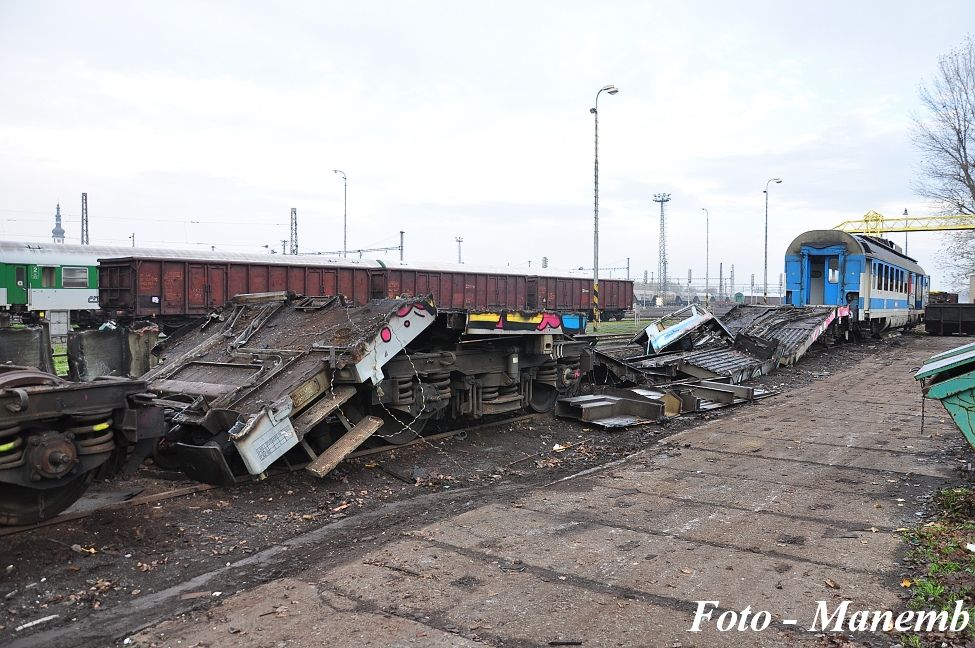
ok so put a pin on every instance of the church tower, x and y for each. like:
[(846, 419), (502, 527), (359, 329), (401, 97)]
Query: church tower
[(58, 232)]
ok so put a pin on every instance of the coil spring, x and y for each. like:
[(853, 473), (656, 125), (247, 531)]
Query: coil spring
[(11, 449), (548, 374), (94, 435), (441, 381), (505, 390), (489, 393), (404, 390)]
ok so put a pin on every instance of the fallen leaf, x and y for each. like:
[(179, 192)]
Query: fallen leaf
[(907, 582), (83, 550), (832, 584)]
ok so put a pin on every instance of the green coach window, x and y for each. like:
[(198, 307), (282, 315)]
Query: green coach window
[(74, 277)]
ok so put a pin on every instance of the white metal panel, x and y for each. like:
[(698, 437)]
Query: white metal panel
[(62, 299)]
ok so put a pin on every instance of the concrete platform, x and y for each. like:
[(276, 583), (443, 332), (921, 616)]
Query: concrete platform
[(793, 500)]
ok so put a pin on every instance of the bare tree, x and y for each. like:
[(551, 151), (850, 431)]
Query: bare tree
[(945, 136)]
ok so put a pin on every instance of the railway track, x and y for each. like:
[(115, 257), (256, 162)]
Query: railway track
[(155, 498)]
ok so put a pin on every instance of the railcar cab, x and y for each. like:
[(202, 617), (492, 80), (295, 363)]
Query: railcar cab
[(883, 287)]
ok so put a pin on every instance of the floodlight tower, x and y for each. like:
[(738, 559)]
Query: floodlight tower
[(663, 199)]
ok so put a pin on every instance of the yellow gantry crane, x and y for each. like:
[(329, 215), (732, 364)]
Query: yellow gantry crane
[(876, 224)]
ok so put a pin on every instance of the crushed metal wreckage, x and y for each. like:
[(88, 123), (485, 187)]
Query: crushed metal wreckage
[(692, 361)]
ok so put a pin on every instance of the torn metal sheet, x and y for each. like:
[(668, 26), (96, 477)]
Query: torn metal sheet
[(29, 346), (609, 411), (753, 341), (639, 405), (121, 352), (665, 332)]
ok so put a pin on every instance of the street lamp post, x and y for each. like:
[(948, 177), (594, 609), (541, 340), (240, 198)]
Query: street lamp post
[(707, 254), (611, 89), (765, 283), (459, 239), (345, 212)]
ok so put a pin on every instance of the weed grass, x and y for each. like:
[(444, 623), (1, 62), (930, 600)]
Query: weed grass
[(944, 565)]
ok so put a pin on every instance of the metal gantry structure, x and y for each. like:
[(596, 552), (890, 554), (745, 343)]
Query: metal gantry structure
[(663, 199), (874, 223)]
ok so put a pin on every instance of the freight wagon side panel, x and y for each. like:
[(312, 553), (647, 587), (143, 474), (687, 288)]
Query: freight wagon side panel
[(173, 288), (296, 280), (237, 280), (146, 296), (196, 281), (216, 289), (330, 277), (480, 291), (493, 295), (314, 283), (394, 283), (257, 278), (277, 278), (360, 292)]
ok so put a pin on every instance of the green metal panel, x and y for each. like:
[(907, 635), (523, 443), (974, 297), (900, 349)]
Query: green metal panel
[(942, 381), (13, 277), (946, 361)]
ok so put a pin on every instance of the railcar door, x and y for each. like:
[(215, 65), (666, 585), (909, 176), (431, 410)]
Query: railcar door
[(216, 285), (17, 286), (831, 283)]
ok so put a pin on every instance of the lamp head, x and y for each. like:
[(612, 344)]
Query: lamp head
[(611, 89), (777, 180)]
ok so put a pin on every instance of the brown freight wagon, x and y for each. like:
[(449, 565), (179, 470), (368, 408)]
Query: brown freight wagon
[(179, 288), (485, 290), (175, 289)]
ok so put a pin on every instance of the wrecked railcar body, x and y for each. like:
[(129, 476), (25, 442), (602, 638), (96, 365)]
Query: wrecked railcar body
[(691, 361), (274, 378)]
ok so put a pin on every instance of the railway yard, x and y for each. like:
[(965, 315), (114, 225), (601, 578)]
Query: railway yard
[(532, 532), (436, 325)]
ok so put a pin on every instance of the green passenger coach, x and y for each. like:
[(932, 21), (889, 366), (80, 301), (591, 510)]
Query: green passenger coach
[(41, 278)]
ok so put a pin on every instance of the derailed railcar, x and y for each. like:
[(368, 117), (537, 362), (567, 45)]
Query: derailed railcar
[(307, 380), (880, 285)]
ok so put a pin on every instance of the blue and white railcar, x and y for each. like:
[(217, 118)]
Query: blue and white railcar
[(883, 287)]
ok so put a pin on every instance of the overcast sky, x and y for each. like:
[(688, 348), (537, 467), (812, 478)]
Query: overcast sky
[(193, 123)]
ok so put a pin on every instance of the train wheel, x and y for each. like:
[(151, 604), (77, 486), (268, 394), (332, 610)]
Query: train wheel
[(543, 397), (399, 428), (21, 505)]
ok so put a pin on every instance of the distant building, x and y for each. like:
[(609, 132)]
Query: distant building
[(58, 232)]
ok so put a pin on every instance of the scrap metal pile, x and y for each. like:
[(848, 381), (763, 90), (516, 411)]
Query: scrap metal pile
[(692, 361)]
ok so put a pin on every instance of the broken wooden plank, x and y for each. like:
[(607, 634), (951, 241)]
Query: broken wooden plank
[(344, 446)]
